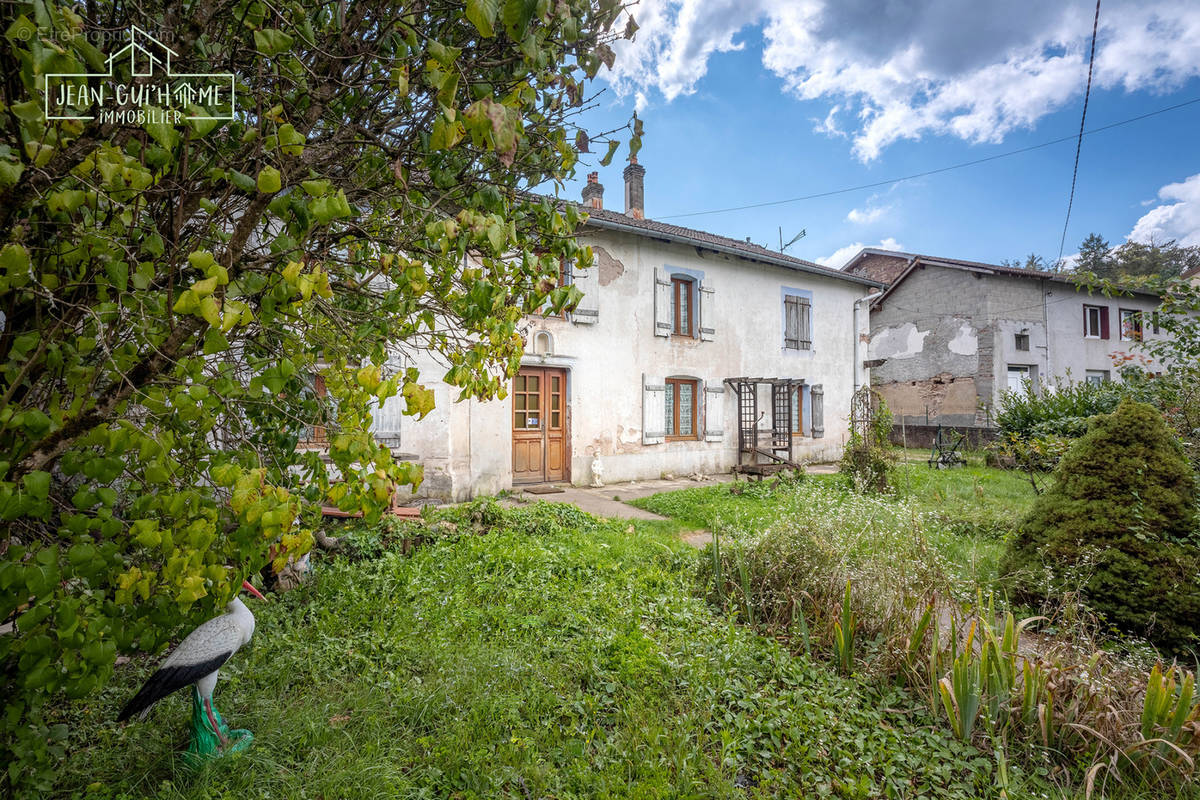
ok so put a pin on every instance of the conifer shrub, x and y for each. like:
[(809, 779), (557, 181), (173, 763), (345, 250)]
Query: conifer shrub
[(1119, 526)]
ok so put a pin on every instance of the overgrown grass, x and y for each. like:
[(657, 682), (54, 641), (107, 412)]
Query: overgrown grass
[(527, 653), (898, 587), (967, 512)]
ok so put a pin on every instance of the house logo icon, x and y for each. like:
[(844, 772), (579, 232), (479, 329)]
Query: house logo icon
[(140, 85)]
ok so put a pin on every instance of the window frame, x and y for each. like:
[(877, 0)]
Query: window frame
[(1101, 376), (1136, 315), (1020, 339), (685, 285), (671, 405), (804, 325), (1087, 322), (1028, 371), (798, 416)]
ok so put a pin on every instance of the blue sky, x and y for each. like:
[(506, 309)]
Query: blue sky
[(737, 97)]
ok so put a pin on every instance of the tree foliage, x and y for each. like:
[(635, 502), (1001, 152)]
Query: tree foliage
[(1163, 260), (168, 289), (1119, 526)]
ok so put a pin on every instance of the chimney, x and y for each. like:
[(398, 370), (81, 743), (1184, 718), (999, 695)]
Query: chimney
[(593, 192), (635, 193)]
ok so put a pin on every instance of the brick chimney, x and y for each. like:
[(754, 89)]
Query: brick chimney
[(635, 193), (593, 192)]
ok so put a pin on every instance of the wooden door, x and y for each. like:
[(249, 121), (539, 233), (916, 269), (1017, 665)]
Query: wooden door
[(539, 425)]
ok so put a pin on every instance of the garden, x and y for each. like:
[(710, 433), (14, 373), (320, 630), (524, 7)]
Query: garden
[(828, 642)]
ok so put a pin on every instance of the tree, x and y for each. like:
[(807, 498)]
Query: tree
[(1118, 525), (170, 280), (1095, 255), (1134, 260), (1032, 261)]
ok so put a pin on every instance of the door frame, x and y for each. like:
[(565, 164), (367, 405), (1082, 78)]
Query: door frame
[(566, 434)]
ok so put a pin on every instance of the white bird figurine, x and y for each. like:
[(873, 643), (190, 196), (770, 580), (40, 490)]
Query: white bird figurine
[(195, 662)]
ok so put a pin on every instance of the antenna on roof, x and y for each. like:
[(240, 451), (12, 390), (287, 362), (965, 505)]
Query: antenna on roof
[(796, 238)]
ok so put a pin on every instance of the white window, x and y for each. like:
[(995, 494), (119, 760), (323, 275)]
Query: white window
[(1095, 322), (797, 322), (1020, 378), (1096, 376), (1131, 325)]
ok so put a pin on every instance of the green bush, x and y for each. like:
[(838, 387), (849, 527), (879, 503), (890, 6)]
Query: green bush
[(1060, 409), (1118, 525), (868, 459)]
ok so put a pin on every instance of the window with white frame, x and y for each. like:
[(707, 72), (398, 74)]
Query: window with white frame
[(1096, 376), (1095, 322), (1131, 325), (1021, 378)]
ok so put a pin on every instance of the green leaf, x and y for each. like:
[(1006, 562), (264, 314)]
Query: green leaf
[(271, 42), (482, 14), (516, 17), (37, 484), (612, 150), (269, 180), (161, 132)]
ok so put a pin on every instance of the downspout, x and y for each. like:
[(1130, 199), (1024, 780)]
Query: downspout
[(858, 368)]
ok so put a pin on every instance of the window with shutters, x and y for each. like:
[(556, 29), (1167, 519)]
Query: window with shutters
[(1095, 322), (680, 411), (797, 322), (1131, 325), (683, 314)]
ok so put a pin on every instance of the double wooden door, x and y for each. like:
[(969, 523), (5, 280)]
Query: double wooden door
[(539, 425)]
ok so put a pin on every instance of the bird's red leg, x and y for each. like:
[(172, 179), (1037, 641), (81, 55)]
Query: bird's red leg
[(212, 720)]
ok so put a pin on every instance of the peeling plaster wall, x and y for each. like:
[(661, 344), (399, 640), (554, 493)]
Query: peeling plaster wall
[(948, 337), (467, 447)]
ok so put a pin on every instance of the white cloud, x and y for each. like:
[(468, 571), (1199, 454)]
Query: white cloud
[(866, 216), (1178, 218), (903, 70), (838, 258)]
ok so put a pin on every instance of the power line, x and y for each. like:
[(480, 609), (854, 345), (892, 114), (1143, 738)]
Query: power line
[(927, 173), (1079, 142)]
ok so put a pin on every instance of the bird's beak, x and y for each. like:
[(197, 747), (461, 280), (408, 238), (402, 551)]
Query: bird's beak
[(249, 587)]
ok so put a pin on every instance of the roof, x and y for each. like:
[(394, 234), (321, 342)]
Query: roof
[(917, 260), (1191, 273), (615, 221)]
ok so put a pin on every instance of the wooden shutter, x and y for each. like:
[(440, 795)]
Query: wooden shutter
[(817, 410), (588, 282), (805, 314), (714, 412), (1104, 322), (654, 409), (1085, 321), (705, 314), (663, 321), (791, 323), (385, 420)]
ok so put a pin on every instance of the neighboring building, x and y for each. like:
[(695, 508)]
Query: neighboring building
[(637, 374), (948, 337), (1193, 275)]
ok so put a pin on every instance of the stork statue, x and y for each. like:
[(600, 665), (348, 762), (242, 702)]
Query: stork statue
[(195, 662)]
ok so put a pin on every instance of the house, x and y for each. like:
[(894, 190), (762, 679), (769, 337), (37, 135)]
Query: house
[(689, 353), (949, 336)]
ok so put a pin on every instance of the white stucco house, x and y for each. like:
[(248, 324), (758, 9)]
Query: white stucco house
[(639, 375)]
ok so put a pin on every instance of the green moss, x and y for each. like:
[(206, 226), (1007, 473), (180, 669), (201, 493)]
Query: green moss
[(1119, 525)]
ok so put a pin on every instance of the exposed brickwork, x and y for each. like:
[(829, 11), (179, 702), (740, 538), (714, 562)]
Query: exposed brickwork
[(878, 266)]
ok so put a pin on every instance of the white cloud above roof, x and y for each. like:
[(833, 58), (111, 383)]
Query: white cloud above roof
[(907, 69), (840, 257), (1178, 217)]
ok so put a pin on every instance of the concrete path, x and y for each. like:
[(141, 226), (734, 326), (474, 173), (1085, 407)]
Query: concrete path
[(613, 500)]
